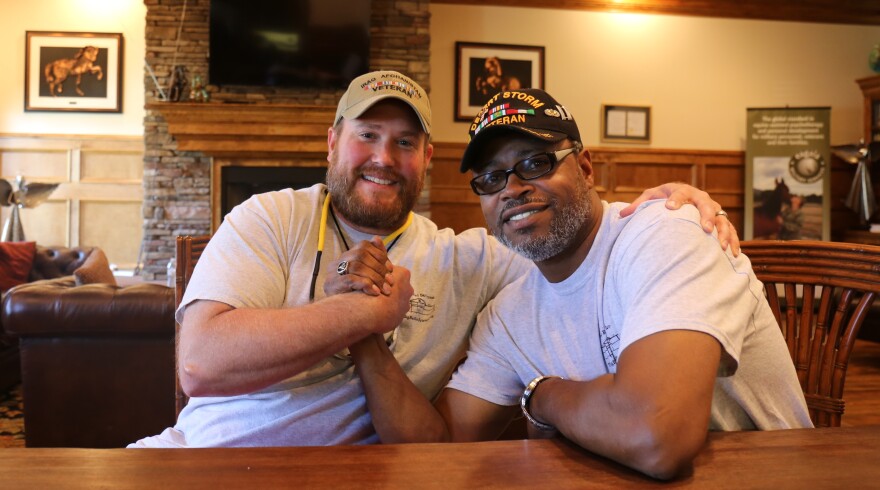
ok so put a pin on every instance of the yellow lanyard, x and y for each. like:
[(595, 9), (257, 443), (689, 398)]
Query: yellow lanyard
[(322, 235)]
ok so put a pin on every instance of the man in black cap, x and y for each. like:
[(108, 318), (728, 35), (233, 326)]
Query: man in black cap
[(632, 335)]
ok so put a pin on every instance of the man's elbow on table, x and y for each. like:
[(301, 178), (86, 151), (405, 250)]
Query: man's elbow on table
[(664, 450)]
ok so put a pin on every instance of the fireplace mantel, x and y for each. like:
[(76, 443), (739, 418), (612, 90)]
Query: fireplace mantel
[(247, 131), (248, 135)]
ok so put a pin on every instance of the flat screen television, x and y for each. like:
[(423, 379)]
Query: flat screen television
[(288, 43)]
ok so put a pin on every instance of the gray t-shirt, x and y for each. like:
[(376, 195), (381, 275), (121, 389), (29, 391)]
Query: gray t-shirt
[(263, 255), (656, 270)]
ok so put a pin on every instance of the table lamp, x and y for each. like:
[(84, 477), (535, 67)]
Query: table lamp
[(861, 193)]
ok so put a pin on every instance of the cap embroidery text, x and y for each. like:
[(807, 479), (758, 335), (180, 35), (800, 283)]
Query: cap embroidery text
[(393, 85)]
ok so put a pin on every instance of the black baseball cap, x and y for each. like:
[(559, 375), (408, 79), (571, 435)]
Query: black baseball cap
[(530, 111)]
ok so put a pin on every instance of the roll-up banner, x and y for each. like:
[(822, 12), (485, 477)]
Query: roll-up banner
[(788, 174)]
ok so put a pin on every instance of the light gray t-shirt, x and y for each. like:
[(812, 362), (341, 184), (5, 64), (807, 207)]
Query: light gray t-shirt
[(653, 271), (263, 255)]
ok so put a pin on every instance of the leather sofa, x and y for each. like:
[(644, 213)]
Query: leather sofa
[(49, 262), (97, 360)]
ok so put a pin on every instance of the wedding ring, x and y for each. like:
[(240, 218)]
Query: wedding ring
[(342, 268), (721, 212)]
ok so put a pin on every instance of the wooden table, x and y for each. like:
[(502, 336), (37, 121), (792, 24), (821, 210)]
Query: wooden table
[(808, 458)]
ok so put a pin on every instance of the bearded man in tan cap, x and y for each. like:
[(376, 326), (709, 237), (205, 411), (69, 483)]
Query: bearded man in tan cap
[(292, 278)]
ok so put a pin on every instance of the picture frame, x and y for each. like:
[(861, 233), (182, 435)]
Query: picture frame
[(625, 124), (484, 69), (73, 72)]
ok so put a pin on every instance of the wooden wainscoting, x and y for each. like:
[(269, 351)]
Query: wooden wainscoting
[(100, 196), (621, 175), (453, 203)]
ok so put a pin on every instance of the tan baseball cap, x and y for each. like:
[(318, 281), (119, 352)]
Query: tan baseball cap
[(367, 89)]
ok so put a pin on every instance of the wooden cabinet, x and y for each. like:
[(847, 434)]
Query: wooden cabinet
[(871, 89)]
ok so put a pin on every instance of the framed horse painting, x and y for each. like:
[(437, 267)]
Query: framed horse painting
[(73, 71)]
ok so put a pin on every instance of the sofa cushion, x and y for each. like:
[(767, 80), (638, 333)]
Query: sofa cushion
[(55, 307), (96, 269), (16, 260), (57, 261)]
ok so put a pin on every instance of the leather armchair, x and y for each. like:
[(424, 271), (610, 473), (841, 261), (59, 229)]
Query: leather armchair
[(49, 262), (98, 364)]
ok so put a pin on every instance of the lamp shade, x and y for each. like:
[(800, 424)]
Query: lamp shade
[(861, 197)]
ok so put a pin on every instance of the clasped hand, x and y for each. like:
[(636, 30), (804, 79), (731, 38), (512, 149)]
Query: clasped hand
[(371, 272)]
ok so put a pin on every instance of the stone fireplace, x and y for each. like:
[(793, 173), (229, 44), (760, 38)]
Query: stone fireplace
[(251, 148), (187, 145)]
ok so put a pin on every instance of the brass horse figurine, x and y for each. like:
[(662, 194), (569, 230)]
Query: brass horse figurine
[(59, 70)]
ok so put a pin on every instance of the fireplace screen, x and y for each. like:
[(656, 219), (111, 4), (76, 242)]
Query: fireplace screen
[(239, 183)]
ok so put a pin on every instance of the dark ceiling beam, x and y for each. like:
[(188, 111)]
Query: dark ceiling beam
[(865, 12)]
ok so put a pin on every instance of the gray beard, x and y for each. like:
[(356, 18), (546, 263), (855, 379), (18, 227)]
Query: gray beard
[(564, 228), (353, 208)]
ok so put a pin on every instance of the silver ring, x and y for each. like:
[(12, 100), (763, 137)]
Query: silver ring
[(342, 268), (721, 212)]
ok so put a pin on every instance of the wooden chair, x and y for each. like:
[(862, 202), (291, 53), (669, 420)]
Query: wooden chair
[(189, 250), (820, 293)]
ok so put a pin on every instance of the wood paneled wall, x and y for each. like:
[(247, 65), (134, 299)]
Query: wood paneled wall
[(100, 196), (622, 174)]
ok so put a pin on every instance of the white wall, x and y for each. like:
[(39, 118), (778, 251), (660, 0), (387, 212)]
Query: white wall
[(698, 74), (18, 16)]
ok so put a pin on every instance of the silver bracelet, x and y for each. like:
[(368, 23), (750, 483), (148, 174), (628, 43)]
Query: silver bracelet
[(527, 395)]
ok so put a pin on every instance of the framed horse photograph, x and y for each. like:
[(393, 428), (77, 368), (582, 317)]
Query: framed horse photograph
[(73, 72), (482, 70)]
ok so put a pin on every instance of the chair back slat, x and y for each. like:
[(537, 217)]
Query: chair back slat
[(791, 318), (804, 332), (773, 299), (827, 289), (189, 249), (847, 340), (817, 340)]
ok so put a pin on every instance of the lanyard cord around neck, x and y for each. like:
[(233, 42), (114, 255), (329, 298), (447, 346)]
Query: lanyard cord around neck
[(322, 235)]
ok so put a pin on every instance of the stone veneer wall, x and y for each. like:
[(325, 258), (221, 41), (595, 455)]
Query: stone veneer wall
[(177, 184)]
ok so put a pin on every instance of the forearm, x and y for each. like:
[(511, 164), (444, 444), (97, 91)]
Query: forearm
[(243, 350), (623, 425), (400, 412)]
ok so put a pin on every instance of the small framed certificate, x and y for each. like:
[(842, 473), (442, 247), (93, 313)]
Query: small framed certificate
[(626, 124)]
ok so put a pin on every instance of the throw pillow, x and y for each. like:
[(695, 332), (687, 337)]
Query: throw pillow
[(16, 260), (96, 268)]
